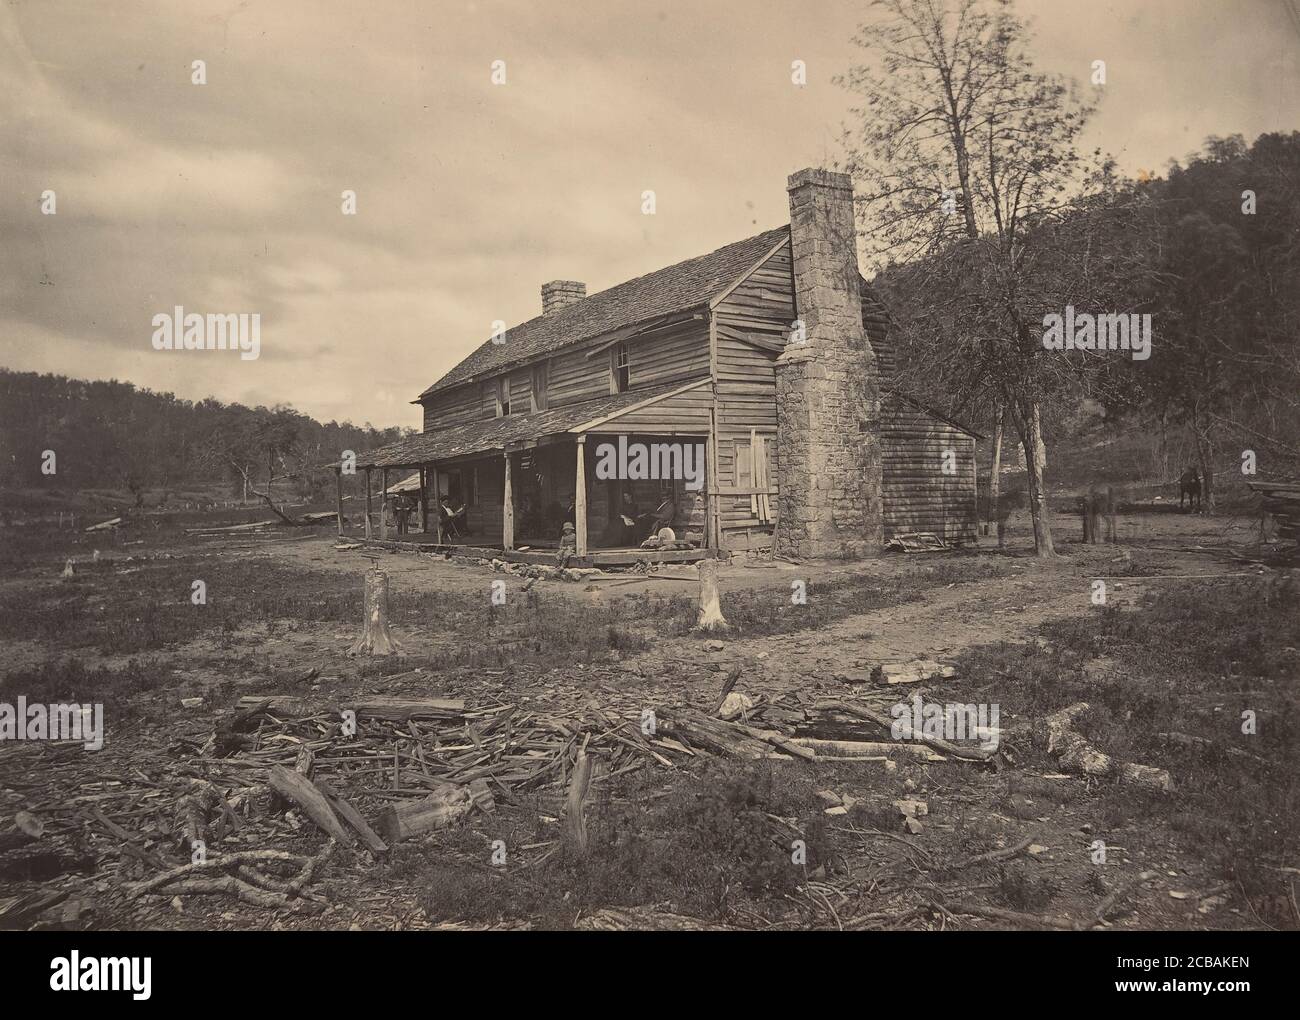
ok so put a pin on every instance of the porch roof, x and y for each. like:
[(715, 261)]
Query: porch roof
[(495, 434)]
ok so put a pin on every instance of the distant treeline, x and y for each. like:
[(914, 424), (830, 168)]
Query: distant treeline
[(1209, 254), (61, 433)]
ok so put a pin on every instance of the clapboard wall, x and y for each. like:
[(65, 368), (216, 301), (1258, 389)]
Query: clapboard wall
[(752, 324), (674, 353), (918, 494)]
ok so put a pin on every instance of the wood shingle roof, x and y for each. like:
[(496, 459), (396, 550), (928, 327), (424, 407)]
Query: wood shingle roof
[(677, 288)]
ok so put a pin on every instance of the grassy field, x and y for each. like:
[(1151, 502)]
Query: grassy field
[(1167, 675)]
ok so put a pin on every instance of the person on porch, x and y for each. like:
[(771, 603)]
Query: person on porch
[(453, 520), (662, 516), (568, 544)]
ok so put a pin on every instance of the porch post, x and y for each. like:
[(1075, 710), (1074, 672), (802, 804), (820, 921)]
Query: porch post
[(712, 521), (508, 511), (424, 501), (580, 499), (338, 496), (368, 524), (383, 504), (437, 502)]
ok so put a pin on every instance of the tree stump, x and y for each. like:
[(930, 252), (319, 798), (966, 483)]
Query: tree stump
[(711, 617), (575, 824), (375, 639)]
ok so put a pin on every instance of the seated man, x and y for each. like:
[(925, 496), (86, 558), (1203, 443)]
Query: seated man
[(451, 519), (662, 516)]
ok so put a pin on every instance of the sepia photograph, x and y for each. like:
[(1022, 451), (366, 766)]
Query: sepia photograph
[(521, 466)]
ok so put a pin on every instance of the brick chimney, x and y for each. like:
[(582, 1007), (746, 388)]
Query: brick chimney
[(827, 387), (560, 294)]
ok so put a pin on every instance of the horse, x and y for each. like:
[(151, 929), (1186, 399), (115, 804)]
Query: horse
[(1189, 488)]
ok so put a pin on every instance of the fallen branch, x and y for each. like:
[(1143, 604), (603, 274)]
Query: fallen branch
[(992, 856)]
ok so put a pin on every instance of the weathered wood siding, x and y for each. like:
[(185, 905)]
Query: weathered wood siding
[(673, 354), (875, 320), (676, 353), (576, 377), (455, 406), (746, 404), (684, 414), (917, 495), (762, 310), (764, 301)]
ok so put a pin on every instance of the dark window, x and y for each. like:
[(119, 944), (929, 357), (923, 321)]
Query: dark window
[(618, 369), (539, 387)]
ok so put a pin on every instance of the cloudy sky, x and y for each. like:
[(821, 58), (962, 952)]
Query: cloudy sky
[(225, 197)]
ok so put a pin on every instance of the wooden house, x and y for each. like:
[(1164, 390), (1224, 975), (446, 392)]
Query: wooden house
[(771, 356)]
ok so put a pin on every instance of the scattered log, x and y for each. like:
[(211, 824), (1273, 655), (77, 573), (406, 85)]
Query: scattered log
[(403, 709), (911, 672), (375, 638), (446, 804), (942, 746), (699, 730), (250, 706), (303, 792), (778, 740), (644, 919), (711, 617), (345, 810), (1077, 755), (866, 749), (19, 912)]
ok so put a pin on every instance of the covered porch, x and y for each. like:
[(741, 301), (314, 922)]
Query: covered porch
[(507, 486)]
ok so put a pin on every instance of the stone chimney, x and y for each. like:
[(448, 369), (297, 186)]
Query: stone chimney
[(560, 294), (827, 386)]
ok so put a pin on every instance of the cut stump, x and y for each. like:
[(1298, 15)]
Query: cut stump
[(375, 638), (711, 617)]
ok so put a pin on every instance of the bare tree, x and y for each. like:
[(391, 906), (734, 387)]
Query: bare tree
[(964, 153)]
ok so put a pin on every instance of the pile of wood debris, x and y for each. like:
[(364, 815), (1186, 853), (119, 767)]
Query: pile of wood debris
[(203, 815)]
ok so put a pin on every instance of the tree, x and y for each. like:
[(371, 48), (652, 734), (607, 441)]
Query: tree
[(1228, 367), (966, 155)]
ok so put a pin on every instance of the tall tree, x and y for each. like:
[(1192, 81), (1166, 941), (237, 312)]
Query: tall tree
[(964, 153)]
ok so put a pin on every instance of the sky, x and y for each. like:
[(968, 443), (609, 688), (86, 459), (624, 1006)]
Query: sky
[(227, 196)]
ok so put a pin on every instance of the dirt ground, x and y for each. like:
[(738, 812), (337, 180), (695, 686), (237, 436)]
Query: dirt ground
[(1002, 616)]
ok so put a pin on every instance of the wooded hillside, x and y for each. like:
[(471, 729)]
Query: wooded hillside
[(109, 434)]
